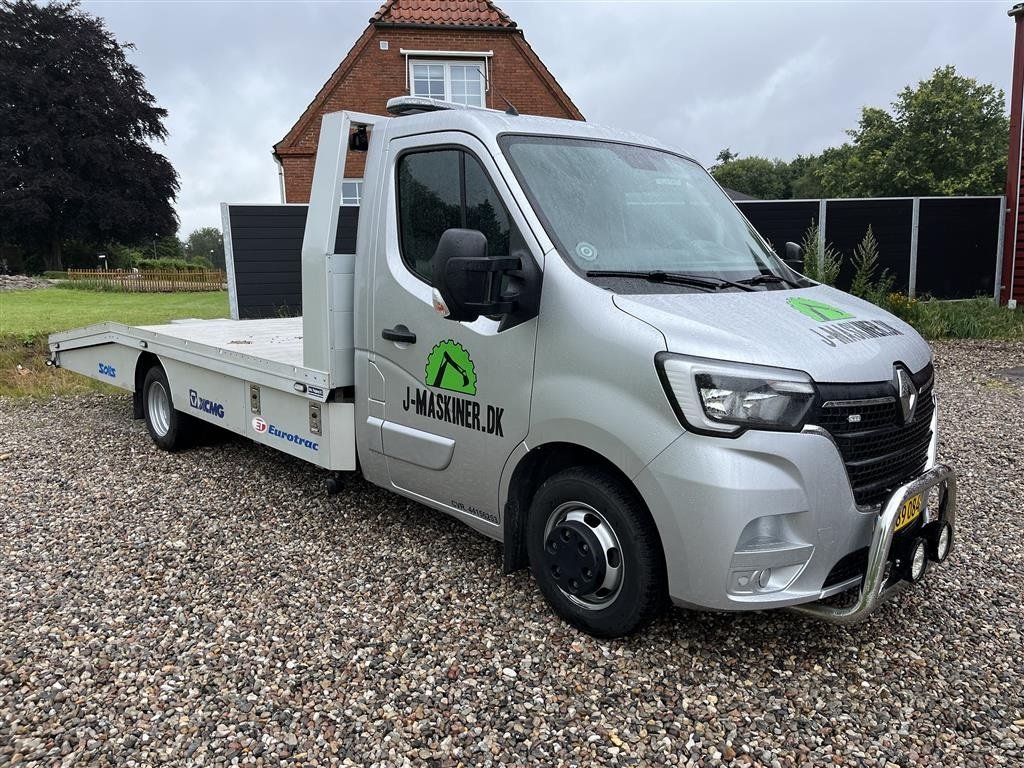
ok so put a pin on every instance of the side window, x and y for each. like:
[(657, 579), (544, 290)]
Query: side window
[(429, 202), (484, 211), (442, 189)]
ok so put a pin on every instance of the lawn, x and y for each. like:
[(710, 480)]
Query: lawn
[(27, 317), (27, 314)]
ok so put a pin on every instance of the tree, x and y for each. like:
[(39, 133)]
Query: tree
[(166, 247), (75, 125), (206, 243), (757, 176), (724, 156), (802, 183), (947, 136)]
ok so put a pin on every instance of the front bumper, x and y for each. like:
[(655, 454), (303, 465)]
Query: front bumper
[(882, 579), (764, 520)]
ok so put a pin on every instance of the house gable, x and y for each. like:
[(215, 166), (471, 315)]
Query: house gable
[(376, 69)]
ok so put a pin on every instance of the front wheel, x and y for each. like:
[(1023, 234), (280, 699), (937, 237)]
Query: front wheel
[(595, 553), (170, 429)]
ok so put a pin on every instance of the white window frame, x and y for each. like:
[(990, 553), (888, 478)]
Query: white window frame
[(359, 192), (448, 58)]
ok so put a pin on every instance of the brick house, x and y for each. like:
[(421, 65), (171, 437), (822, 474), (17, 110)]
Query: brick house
[(467, 51)]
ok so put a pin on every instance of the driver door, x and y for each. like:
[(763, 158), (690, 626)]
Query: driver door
[(457, 394)]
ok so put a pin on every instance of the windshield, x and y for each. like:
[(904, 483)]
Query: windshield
[(622, 207)]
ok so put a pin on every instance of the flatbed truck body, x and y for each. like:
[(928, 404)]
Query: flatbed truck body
[(228, 373)]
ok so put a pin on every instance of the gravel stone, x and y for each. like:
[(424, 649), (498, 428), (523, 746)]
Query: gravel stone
[(23, 282), (217, 607)]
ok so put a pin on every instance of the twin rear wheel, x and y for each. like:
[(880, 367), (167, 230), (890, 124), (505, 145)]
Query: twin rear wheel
[(595, 553), (170, 429)]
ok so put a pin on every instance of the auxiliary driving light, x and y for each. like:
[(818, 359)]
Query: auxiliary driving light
[(918, 560), (943, 543)]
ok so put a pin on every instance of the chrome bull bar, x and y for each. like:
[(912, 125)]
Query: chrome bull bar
[(874, 589)]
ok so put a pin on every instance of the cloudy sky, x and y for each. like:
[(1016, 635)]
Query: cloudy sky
[(764, 78)]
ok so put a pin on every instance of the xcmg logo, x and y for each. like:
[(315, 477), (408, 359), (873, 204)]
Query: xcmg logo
[(204, 405)]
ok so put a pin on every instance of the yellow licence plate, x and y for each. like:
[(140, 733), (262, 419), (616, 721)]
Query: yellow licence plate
[(909, 512)]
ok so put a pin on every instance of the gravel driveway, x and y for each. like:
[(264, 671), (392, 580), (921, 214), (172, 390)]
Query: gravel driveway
[(216, 606)]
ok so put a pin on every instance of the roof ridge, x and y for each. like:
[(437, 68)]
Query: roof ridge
[(473, 13)]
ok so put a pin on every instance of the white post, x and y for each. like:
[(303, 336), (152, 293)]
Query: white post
[(914, 220), (822, 206), (229, 259)]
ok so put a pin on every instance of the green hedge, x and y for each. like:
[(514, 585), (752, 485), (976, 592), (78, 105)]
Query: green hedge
[(979, 318), (174, 265)]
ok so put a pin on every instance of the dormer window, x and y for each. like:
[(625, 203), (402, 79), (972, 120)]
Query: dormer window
[(459, 77)]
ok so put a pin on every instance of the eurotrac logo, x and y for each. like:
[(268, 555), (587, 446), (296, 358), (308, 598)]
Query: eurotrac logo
[(261, 427), (205, 406)]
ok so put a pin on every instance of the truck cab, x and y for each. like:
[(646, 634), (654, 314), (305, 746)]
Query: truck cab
[(569, 338)]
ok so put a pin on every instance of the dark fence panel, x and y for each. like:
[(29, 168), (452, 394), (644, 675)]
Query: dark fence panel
[(957, 244), (846, 223), (956, 256), (780, 221), (958, 237), (266, 256)]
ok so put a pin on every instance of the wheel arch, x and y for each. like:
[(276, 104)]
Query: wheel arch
[(532, 469), (145, 361)]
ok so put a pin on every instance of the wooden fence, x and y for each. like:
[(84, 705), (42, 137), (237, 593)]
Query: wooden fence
[(151, 281)]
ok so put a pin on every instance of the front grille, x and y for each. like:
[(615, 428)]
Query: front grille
[(849, 566), (855, 564), (880, 451)]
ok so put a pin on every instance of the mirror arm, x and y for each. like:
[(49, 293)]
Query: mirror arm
[(496, 304), (503, 264)]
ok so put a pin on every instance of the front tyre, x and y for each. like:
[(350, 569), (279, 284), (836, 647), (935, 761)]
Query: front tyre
[(595, 553), (170, 429)]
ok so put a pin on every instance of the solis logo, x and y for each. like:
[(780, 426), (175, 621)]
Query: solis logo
[(259, 425), (106, 369), (204, 405)]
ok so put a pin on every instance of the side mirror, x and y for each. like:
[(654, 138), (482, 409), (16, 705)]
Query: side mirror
[(469, 280), (794, 257)]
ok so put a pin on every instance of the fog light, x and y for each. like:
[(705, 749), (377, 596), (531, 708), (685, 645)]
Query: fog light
[(763, 578), (943, 543), (918, 560)]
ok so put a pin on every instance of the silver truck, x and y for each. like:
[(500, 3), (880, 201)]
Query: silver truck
[(570, 339)]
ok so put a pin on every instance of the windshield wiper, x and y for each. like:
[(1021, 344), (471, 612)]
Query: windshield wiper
[(765, 277), (673, 278)]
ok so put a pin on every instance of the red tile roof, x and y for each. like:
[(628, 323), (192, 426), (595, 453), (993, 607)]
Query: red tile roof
[(463, 13)]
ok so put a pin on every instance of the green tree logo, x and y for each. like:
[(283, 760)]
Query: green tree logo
[(818, 310), (450, 367)]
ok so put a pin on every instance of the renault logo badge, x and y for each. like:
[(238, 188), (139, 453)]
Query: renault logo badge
[(906, 392)]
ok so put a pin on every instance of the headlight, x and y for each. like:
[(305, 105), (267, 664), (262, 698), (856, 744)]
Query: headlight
[(724, 398)]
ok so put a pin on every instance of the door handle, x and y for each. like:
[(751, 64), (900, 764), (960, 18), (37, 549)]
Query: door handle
[(400, 334)]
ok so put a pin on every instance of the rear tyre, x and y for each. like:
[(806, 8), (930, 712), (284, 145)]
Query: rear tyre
[(171, 430), (595, 553)]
